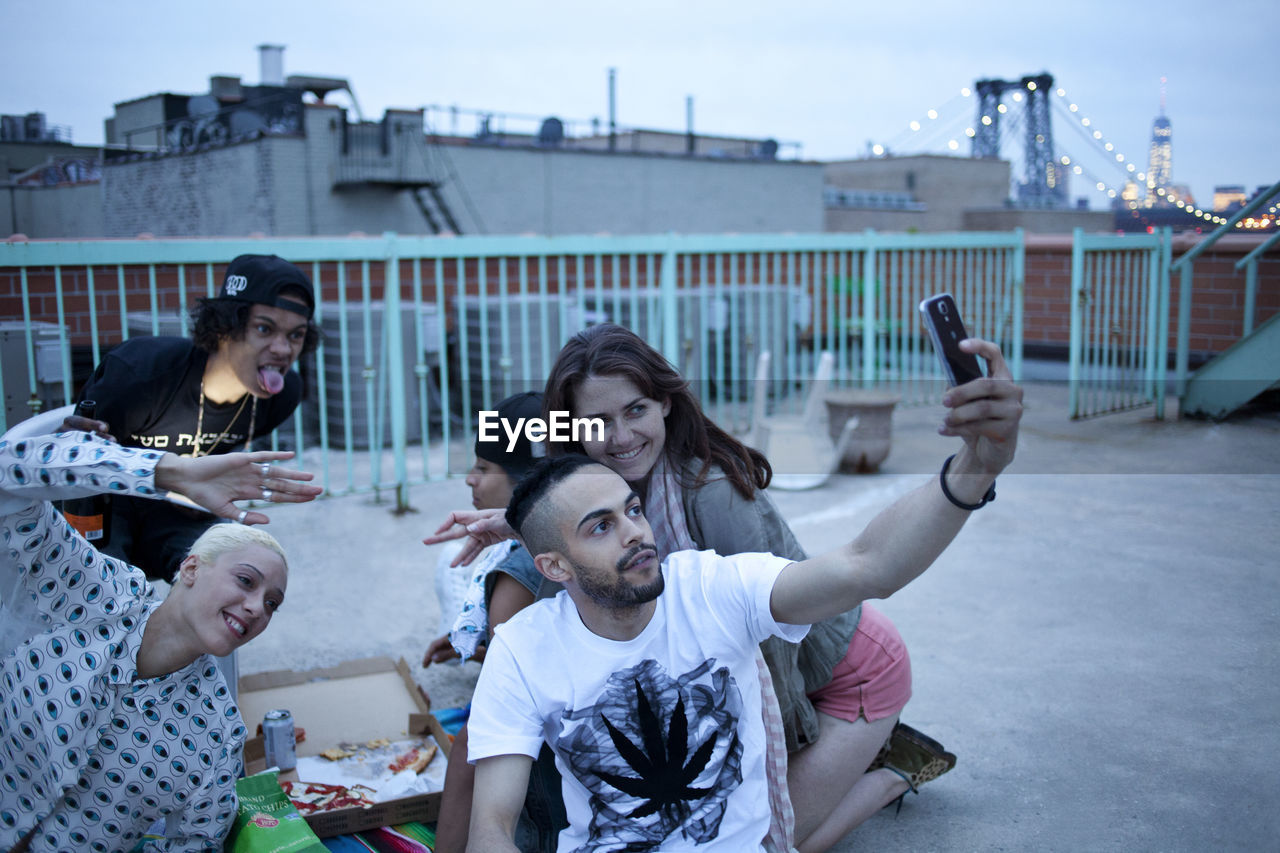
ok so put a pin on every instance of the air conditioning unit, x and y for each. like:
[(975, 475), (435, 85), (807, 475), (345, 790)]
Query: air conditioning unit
[(721, 332), (16, 361), (34, 126), (11, 128), (709, 349), (140, 325), (356, 412), (522, 364)]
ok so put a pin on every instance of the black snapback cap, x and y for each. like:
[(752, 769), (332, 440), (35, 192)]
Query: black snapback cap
[(260, 278)]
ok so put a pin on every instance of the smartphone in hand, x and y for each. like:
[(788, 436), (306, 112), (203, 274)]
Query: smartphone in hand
[(942, 319)]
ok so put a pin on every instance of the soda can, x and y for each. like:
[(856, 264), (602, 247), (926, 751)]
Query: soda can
[(277, 740)]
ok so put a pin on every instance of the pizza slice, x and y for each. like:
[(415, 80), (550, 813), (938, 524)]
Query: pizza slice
[(336, 753), (415, 759), (312, 797)]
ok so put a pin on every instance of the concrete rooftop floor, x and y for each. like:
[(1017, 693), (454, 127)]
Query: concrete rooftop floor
[(1100, 647)]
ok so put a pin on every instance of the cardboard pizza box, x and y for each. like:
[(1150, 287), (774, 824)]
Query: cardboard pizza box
[(353, 702)]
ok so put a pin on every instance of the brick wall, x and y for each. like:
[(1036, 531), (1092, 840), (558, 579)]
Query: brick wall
[(1046, 300), (238, 190), (1218, 293)]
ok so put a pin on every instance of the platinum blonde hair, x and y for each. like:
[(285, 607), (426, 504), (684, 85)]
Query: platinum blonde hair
[(221, 538)]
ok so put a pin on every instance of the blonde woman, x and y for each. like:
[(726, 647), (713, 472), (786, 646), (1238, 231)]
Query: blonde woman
[(113, 714)]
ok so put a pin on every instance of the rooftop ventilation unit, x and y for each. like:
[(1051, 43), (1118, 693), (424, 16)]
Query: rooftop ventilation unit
[(271, 64)]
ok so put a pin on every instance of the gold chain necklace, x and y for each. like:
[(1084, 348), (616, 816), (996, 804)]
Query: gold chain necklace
[(253, 417)]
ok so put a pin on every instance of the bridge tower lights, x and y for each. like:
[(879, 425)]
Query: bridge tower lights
[(986, 137), (1042, 184)]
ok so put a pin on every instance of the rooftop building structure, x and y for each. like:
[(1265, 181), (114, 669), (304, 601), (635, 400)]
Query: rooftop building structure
[(277, 159), (937, 192), (281, 158), (1229, 198)]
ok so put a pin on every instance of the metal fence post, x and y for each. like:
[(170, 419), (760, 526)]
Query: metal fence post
[(1019, 293), (1162, 328), (667, 303), (869, 309), (1076, 348), (1152, 372), (395, 368), (1185, 276)]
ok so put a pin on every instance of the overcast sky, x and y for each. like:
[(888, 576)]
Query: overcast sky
[(831, 76)]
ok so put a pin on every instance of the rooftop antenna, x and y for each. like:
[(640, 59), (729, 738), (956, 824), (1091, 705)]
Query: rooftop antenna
[(1163, 80)]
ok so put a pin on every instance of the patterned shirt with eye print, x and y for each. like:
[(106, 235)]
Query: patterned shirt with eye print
[(90, 753)]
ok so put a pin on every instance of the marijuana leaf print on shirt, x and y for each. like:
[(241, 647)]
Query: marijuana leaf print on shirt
[(660, 755)]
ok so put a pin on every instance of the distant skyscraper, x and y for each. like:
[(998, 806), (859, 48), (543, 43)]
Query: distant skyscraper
[(1160, 159), (1229, 197), (1129, 194)]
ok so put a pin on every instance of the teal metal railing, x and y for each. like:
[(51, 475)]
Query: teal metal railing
[(420, 330), (1249, 263), (1186, 271), (1119, 322)]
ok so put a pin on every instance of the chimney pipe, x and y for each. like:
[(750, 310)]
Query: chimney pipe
[(271, 64), (613, 122), (691, 143)]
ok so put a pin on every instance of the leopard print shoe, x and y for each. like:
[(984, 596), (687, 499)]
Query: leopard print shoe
[(915, 756)]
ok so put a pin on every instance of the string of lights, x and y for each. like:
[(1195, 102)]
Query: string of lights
[(943, 123), (931, 127), (1082, 124)]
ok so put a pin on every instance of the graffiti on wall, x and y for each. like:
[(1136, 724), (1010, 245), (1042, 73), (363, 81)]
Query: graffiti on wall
[(202, 121), (66, 170)]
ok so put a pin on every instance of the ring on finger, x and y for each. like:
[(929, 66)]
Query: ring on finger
[(240, 518), (266, 469), (266, 493)]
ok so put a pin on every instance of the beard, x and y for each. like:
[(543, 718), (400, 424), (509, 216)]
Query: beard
[(617, 593)]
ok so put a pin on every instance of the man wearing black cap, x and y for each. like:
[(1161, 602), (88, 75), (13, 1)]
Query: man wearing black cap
[(215, 393)]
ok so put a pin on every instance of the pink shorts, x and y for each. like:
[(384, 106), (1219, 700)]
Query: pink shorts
[(874, 679)]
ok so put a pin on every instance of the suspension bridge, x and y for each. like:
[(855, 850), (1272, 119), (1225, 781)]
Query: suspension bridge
[(1016, 119)]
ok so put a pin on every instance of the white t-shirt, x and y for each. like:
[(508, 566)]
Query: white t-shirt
[(659, 739)]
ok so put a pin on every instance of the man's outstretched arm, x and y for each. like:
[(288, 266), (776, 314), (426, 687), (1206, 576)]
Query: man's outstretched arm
[(501, 782), (904, 540)]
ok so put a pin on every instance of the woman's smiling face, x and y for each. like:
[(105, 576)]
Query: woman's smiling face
[(234, 595), (635, 431)]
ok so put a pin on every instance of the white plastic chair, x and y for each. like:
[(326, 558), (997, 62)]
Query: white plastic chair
[(799, 447)]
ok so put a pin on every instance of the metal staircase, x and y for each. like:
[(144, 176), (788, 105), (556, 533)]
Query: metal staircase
[(433, 198), (1235, 376), (393, 155), (1252, 364)]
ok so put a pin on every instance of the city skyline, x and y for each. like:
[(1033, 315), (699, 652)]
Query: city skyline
[(836, 81)]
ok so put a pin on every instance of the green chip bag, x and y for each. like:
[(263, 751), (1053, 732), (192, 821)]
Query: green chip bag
[(267, 822)]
